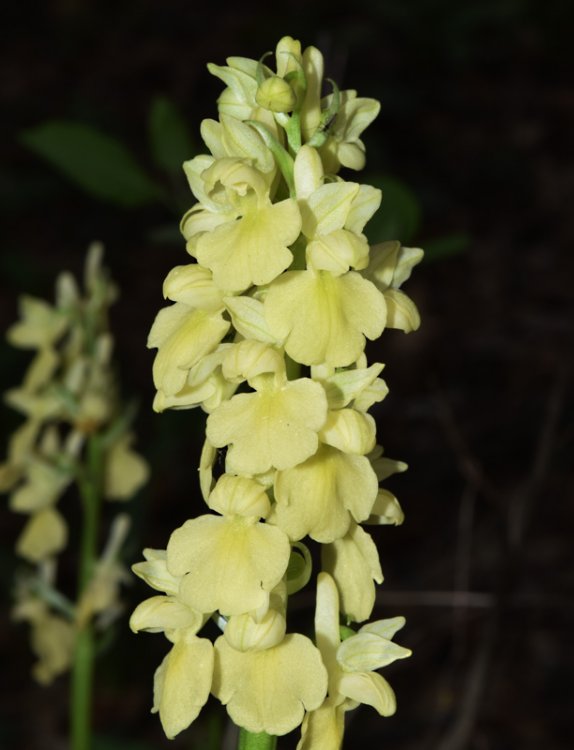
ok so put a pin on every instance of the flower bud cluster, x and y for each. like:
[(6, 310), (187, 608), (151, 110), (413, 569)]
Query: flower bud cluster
[(68, 395), (267, 334)]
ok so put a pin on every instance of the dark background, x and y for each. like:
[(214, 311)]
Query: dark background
[(477, 114)]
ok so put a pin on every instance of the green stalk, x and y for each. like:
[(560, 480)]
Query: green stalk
[(83, 666), (259, 741)]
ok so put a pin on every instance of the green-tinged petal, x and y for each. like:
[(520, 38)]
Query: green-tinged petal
[(125, 472), (45, 534), (367, 651), (344, 386), (384, 628), (155, 573), (364, 205), (354, 563), (371, 689), (323, 728), (41, 324), (327, 208), (386, 510), (249, 318), (19, 450), (391, 265), (183, 336), (269, 691), (229, 564), (321, 496), (161, 613), (253, 249), (193, 285), (274, 427), (324, 318), (182, 683), (239, 496), (350, 431)]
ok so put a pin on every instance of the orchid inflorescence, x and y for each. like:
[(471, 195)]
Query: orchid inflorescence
[(267, 334), (73, 413)]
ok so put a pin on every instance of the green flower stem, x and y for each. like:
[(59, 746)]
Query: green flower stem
[(259, 741), (83, 666)]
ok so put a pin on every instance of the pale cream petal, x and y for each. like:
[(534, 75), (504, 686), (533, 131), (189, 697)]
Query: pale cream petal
[(367, 651), (365, 204), (344, 386), (125, 470), (240, 496), (244, 633), (161, 613), (402, 312), (386, 510), (269, 691), (371, 689), (384, 628), (41, 324), (253, 249), (350, 431), (249, 318), (307, 172), (184, 683), (155, 573), (229, 564), (275, 427), (326, 209), (354, 563), (247, 359), (337, 252), (324, 318), (193, 285), (53, 643), (323, 728), (321, 496), (45, 534)]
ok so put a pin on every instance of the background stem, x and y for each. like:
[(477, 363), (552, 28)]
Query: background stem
[(83, 666)]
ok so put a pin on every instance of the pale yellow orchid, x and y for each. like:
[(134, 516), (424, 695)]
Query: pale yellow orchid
[(232, 562), (322, 495), (269, 690), (277, 426), (324, 318)]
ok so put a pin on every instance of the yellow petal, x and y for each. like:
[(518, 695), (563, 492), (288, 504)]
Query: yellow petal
[(183, 682), (402, 312), (371, 689), (183, 336), (269, 691), (229, 564), (386, 510), (337, 252), (161, 613), (321, 496), (193, 285), (354, 563), (155, 573), (324, 318), (350, 431), (365, 652), (45, 534), (53, 643), (326, 209), (323, 728), (274, 427), (41, 324), (253, 249), (240, 496), (125, 472)]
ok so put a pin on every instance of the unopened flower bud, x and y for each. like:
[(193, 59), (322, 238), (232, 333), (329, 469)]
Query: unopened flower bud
[(276, 95)]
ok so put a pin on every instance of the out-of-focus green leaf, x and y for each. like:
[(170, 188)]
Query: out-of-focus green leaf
[(169, 137), (399, 215), (445, 247), (98, 163)]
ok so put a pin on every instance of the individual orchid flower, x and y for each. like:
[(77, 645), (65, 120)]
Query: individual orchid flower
[(350, 664)]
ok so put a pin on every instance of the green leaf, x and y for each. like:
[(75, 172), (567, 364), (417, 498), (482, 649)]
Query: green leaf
[(399, 215), (445, 247), (98, 163), (169, 137)]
